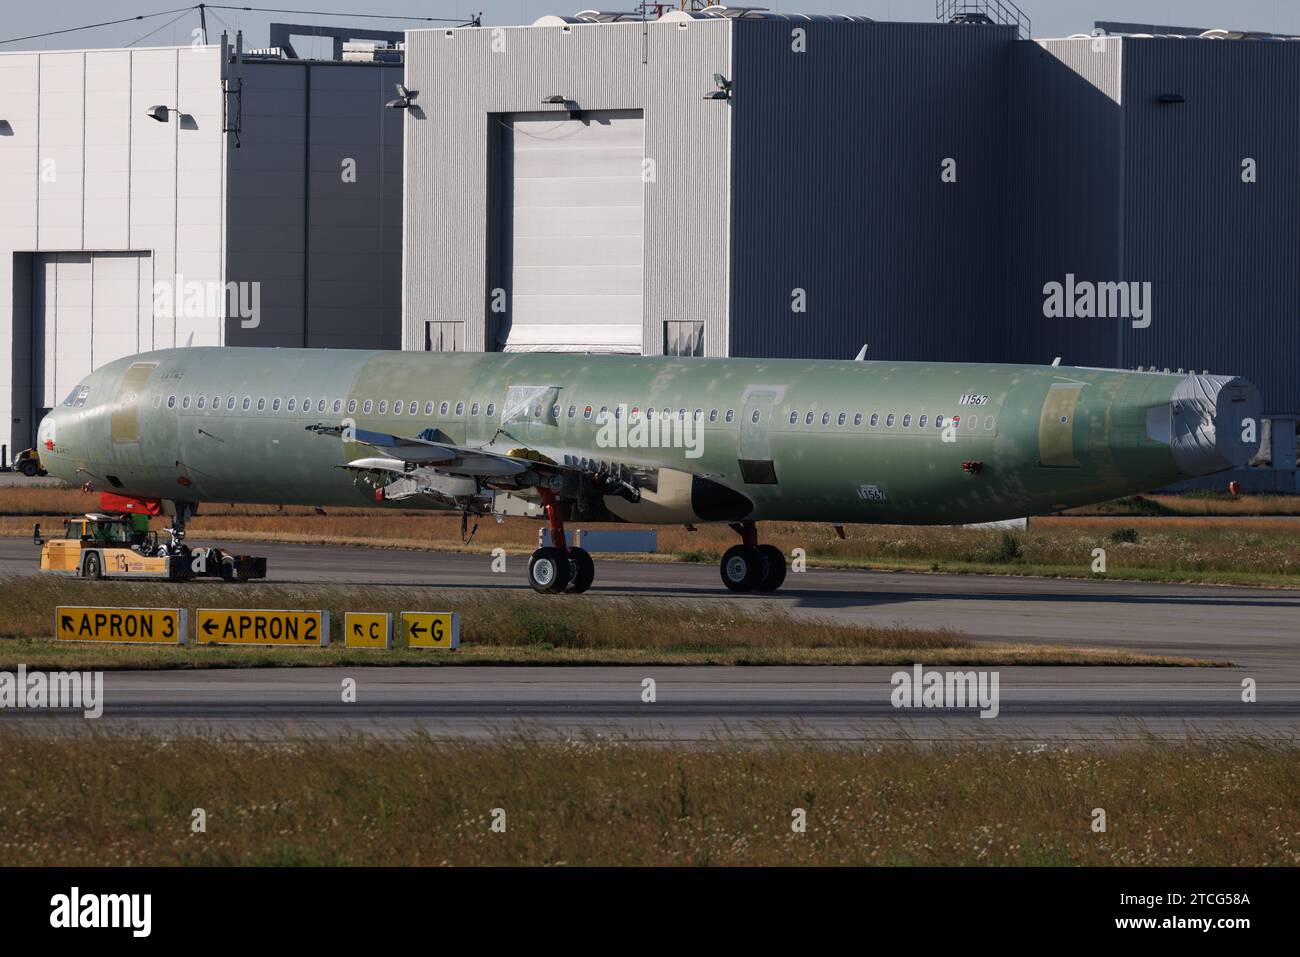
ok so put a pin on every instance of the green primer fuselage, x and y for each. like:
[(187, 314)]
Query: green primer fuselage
[(1044, 437)]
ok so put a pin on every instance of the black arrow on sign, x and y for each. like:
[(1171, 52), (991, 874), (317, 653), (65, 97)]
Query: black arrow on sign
[(209, 626), (417, 628), (67, 622), (356, 628)]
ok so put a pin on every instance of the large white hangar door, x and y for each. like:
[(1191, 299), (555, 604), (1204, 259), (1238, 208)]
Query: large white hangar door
[(89, 309), (576, 217)]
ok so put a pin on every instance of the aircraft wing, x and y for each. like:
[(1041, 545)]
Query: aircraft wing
[(400, 453)]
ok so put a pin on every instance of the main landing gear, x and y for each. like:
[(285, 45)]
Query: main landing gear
[(558, 567), (750, 566)]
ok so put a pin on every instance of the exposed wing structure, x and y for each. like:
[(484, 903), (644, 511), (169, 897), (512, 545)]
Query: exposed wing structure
[(450, 475)]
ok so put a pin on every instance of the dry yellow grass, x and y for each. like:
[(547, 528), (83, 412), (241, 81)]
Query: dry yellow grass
[(1242, 550), (104, 800), (512, 627)]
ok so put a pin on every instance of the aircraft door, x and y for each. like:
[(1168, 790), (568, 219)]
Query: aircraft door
[(1056, 426), (755, 446), (125, 421)]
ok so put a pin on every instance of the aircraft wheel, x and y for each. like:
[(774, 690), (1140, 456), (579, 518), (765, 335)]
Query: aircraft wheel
[(584, 570), (90, 568), (548, 571), (772, 561), (29, 468), (741, 568)]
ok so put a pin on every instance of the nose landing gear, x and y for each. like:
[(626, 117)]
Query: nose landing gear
[(750, 566)]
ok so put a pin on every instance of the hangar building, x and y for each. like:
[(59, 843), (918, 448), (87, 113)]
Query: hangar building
[(227, 217), (739, 182)]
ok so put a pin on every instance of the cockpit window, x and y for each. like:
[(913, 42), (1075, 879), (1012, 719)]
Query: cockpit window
[(77, 397)]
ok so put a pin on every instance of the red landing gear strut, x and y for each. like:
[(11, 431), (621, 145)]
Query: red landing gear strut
[(750, 566), (558, 567)]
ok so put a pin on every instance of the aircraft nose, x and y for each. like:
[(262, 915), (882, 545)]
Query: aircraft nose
[(1213, 423)]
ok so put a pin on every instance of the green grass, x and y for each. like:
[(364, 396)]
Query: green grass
[(109, 800), (506, 627)]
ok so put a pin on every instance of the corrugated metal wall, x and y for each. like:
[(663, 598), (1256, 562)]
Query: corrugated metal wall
[(1223, 255), (837, 190), (315, 205), (82, 168), (1063, 193), (466, 78), (1109, 184)]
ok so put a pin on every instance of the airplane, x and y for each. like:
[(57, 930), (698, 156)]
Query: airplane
[(642, 439)]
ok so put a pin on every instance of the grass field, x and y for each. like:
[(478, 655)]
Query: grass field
[(500, 628), (1175, 547), (120, 801)]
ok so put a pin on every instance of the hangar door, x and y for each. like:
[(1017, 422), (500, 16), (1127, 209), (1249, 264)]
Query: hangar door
[(89, 308), (574, 209)]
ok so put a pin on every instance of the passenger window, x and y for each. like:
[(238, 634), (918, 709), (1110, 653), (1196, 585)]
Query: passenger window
[(555, 411), (275, 405), (875, 419), (920, 423), (713, 415), (826, 418), (383, 406), (338, 406), (261, 405), (666, 414), (756, 416), (572, 410), (618, 412), (808, 419), (473, 409), (368, 407), (203, 401), (293, 404), (889, 421), (320, 405), (794, 418), (731, 414), (216, 403), (490, 409), (185, 402), (586, 413), (442, 409), (938, 422), (352, 406), (681, 415), (988, 424), (460, 408), (857, 419), (843, 417), (699, 414), (649, 412), (171, 402), (603, 414), (247, 403), (907, 420)]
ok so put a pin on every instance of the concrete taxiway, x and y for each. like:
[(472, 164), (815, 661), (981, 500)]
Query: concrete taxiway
[(1258, 630)]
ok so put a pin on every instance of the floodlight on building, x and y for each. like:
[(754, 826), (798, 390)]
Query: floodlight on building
[(160, 112), (404, 98), (723, 91)]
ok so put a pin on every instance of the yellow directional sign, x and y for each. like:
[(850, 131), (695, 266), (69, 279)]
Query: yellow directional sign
[(367, 629), (142, 626), (250, 626), (432, 629)]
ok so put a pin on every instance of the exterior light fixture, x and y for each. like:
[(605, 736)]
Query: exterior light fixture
[(159, 113), (723, 91), (404, 98)]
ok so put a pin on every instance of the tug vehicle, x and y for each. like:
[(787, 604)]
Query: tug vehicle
[(98, 545), (28, 462)]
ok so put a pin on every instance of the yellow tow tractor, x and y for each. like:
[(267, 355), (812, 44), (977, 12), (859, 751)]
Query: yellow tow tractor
[(98, 545), (28, 462)]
